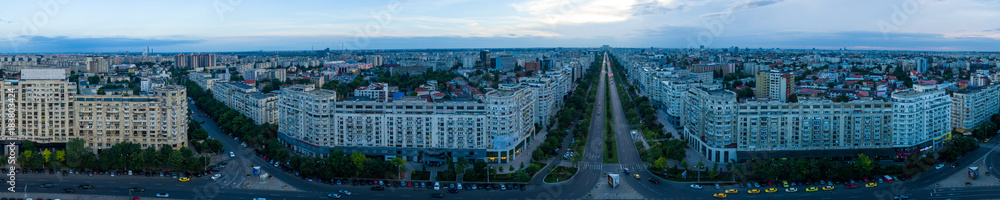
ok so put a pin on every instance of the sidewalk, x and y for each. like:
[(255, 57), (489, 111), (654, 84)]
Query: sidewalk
[(961, 178), (33, 195), (525, 157)]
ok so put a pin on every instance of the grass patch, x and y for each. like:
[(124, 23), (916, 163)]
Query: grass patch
[(420, 175), (610, 148), (560, 174)]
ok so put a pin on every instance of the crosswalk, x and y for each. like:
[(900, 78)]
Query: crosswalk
[(612, 167)]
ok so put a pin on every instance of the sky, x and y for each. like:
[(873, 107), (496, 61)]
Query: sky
[(52, 26)]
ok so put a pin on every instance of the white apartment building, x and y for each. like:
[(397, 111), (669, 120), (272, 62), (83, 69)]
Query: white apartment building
[(921, 118), (710, 123), (544, 94), (48, 110), (496, 130), (262, 108), (204, 80), (975, 106), (790, 130)]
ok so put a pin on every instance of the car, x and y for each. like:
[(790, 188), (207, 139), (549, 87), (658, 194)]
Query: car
[(68, 190), (852, 186), (216, 176), (756, 185), (437, 195), (503, 187), (137, 189), (902, 196), (452, 185), (459, 186), (771, 190), (871, 185), (953, 165), (654, 181), (452, 190), (231, 154), (86, 187), (184, 179), (696, 186), (791, 190), (742, 185), (626, 170), (437, 185), (333, 195), (812, 189), (828, 187), (162, 195), (636, 176), (753, 191), (784, 183), (732, 191), (47, 185), (719, 195), (378, 188), (345, 192)]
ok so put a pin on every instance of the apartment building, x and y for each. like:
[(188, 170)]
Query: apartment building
[(921, 119), (262, 108), (376, 91), (496, 130), (813, 129), (709, 125), (775, 85), (48, 110), (973, 107)]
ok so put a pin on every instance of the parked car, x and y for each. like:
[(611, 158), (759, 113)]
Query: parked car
[(696, 186), (162, 195), (654, 181)]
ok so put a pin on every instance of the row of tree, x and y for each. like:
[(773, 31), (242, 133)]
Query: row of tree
[(807, 169), (121, 156)]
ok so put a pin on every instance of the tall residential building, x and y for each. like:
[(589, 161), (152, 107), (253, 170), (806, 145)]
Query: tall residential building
[(921, 118), (975, 106), (496, 130), (97, 64), (375, 60), (775, 85), (710, 123), (262, 108), (194, 60), (48, 110), (921, 64)]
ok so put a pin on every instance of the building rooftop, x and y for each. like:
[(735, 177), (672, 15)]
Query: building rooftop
[(43, 74)]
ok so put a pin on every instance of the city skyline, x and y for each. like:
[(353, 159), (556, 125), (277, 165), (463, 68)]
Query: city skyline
[(213, 26)]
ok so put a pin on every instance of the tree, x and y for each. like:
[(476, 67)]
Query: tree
[(863, 164), (744, 93), (793, 98), (842, 98), (46, 155), (359, 160), (684, 163), (75, 151), (701, 165), (176, 159), (660, 162)]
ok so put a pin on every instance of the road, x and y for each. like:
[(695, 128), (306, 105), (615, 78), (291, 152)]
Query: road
[(576, 188)]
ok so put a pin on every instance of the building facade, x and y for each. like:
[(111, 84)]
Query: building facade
[(973, 107), (48, 110), (921, 119), (262, 108)]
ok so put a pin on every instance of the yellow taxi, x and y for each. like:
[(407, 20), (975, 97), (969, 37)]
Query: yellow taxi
[(872, 184), (731, 191), (636, 176), (753, 191), (720, 195), (828, 187), (812, 189), (771, 190), (184, 179)]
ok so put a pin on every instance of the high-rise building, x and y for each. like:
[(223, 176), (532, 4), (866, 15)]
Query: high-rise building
[(486, 59), (775, 85), (709, 125), (195, 60), (97, 64), (921, 118), (506, 63), (921, 64), (973, 107), (151, 119)]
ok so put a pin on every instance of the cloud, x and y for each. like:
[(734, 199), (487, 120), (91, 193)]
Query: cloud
[(740, 6), (70, 44), (553, 12), (654, 7)]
